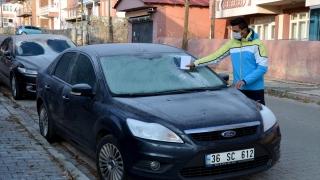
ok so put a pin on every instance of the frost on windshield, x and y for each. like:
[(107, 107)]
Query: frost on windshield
[(58, 45), (151, 73), (29, 48), (37, 47)]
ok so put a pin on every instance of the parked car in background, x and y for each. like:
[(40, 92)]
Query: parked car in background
[(22, 56), (24, 30), (139, 115)]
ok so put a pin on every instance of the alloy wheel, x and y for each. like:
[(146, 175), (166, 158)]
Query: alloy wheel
[(14, 87), (110, 162), (43, 122)]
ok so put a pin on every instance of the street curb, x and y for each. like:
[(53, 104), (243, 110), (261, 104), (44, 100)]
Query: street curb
[(21, 116), (292, 95)]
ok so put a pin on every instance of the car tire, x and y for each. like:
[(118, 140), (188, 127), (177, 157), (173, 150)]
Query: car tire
[(16, 94), (23, 33), (109, 161), (45, 125)]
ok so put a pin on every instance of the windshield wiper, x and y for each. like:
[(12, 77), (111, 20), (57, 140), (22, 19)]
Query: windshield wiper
[(206, 88), (178, 91)]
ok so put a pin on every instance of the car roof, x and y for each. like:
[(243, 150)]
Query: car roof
[(37, 36), (127, 48)]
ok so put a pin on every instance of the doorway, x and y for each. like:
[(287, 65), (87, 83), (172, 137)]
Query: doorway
[(142, 32)]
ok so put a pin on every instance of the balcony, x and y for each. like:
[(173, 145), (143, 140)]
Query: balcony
[(24, 12), (277, 2), (49, 11)]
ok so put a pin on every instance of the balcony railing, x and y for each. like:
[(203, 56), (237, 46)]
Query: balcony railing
[(24, 12), (46, 9)]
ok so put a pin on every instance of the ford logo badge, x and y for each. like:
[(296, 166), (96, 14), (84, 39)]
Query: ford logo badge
[(228, 134)]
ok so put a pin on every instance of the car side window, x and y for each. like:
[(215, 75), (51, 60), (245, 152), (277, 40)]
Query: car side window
[(27, 27), (83, 72), (10, 45), (4, 46), (63, 65)]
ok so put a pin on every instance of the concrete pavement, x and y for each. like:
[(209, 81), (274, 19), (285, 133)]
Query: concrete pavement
[(25, 154), (305, 92)]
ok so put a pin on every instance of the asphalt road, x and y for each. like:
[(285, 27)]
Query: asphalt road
[(2, 37), (300, 147)]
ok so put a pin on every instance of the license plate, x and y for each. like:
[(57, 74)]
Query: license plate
[(230, 157)]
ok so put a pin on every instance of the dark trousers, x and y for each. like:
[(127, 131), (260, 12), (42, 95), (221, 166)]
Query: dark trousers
[(257, 95)]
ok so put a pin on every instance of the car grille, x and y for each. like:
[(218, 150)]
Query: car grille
[(216, 135), (202, 171)]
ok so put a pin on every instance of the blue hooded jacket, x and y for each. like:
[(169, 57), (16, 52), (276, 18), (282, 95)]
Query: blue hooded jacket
[(249, 60)]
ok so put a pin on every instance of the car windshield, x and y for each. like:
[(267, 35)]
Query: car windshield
[(37, 47), (155, 74)]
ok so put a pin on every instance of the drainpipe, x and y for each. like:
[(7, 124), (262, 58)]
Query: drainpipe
[(60, 13), (1, 14)]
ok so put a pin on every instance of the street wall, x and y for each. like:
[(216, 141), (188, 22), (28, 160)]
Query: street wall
[(7, 30), (288, 60), (95, 31)]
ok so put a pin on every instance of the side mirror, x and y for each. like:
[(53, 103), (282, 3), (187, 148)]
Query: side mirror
[(7, 53), (224, 76), (82, 90)]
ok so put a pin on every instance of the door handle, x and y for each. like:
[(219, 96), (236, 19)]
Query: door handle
[(47, 87), (66, 98)]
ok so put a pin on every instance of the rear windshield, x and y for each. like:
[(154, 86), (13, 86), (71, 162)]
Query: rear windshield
[(36, 47)]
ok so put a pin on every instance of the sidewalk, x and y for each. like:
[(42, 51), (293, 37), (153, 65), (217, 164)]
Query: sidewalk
[(305, 92), (25, 154)]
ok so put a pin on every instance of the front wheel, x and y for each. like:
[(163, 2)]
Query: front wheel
[(109, 161), (45, 125), (23, 33), (16, 94)]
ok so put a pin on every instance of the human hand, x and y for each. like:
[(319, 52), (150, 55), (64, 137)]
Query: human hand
[(239, 84), (191, 64)]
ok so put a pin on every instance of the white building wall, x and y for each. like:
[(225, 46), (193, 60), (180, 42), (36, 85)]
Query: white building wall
[(280, 26), (312, 2)]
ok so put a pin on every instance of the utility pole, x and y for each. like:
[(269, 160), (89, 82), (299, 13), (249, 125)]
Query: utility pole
[(109, 14), (213, 17), (82, 29), (110, 22), (185, 27)]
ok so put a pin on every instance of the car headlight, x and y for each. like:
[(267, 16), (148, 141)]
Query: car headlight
[(152, 131), (269, 119), (27, 71)]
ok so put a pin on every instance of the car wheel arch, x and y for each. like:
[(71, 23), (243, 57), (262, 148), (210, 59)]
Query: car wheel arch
[(106, 126), (39, 103), (102, 133)]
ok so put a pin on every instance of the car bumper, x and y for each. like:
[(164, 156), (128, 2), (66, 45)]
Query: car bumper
[(27, 83), (187, 161)]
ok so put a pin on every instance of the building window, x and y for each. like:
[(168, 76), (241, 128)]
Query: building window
[(264, 26), (314, 27), (7, 22), (7, 8), (299, 26)]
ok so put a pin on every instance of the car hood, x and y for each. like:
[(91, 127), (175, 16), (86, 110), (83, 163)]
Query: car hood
[(192, 110), (36, 62)]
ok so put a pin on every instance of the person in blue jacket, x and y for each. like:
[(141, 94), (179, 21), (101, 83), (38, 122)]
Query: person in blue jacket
[(249, 60)]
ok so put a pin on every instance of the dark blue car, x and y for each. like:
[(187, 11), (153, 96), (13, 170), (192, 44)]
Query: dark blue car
[(132, 108), (22, 56)]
